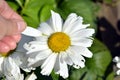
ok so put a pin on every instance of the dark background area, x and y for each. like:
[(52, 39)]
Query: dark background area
[(108, 23)]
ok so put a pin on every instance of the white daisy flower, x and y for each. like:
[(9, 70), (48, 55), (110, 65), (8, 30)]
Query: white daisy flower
[(57, 44), (116, 59), (11, 63), (9, 68)]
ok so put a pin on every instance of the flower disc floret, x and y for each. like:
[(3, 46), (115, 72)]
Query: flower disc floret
[(59, 41)]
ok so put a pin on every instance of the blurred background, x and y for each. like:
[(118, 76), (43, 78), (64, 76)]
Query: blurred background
[(108, 21)]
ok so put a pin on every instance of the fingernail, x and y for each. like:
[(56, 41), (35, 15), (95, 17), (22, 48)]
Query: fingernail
[(21, 26)]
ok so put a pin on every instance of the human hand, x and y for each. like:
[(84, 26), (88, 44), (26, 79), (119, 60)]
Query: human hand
[(11, 26)]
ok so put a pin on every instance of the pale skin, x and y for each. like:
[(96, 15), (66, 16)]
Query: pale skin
[(11, 26)]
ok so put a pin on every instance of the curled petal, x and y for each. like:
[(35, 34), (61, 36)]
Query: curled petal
[(29, 31)]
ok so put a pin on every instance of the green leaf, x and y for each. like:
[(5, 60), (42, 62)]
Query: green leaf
[(89, 76), (20, 3), (54, 76), (32, 11), (108, 1), (76, 74), (96, 66), (31, 21), (110, 76), (101, 58), (13, 5), (45, 12)]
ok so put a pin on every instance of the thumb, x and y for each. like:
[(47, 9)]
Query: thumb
[(11, 26), (14, 26)]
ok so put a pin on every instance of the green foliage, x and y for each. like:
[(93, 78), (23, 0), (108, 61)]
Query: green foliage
[(108, 1), (45, 12), (110, 76), (54, 76)]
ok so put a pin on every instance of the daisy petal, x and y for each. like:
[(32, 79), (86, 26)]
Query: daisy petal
[(82, 51), (77, 59), (48, 65), (24, 40), (36, 57), (74, 23), (57, 65), (34, 47), (66, 58), (56, 21), (35, 32), (11, 70), (40, 54), (41, 38), (78, 26), (20, 59), (31, 77), (63, 68), (38, 42), (118, 72), (83, 33), (69, 22), (85, 26), (118, 65), (116, 59), (45, 29), (34, 63), (81, 42), (1, 62)]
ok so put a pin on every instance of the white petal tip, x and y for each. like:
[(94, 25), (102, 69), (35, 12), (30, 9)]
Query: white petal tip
[(90, 55), (29, 31), (118, 72), (116, 59), (31, 77), (118, 64)]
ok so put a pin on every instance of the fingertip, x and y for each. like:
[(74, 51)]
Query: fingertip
[(16, 37), (4, 48), (10, 42)]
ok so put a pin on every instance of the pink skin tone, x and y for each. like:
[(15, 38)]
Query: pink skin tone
[(11, 26)]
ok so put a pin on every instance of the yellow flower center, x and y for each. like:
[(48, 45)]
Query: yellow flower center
[(59, 41), (4, 54), (7, 54)]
